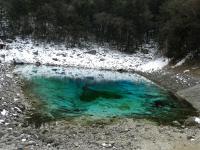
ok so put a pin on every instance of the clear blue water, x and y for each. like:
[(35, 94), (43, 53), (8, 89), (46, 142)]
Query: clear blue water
[(64, 95)]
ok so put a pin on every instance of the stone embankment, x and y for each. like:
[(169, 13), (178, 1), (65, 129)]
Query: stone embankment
[(192, 95)]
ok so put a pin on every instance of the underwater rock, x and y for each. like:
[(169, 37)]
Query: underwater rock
[(159, 104), (91, 94)]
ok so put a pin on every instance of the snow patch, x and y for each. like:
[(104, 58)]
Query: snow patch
[(182, 61), (4, 112), (154, 65), (26, 51), (197, 120), (2, 121)]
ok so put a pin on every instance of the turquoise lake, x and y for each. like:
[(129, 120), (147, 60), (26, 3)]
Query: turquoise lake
[(60, 93)]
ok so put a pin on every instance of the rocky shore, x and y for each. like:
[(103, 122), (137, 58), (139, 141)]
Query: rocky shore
[(119, 134), (174, 79)]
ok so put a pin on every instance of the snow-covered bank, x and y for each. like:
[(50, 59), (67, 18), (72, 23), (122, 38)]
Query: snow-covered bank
[(29, 71), (27, 51)]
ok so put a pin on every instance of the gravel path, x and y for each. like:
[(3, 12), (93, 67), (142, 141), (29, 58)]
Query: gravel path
[(71, 135)]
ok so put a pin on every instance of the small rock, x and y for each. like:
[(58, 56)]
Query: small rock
[(55, 59), (3, 56), (18, 110), (76, 144), (107, 145), (63, 55), (16, 99), (9, 40), (1, 134), (35, 53), (176, 123), (15, 115), (9, 75), (92, 52), (54, 69), (6, 124), (102, 59), (17, 62), (45, 131), (38, 63), (2, 121), (121, 70), (186, 71), (192, 139), (31, 143), (20, 147), (9, 129), (49, 140)]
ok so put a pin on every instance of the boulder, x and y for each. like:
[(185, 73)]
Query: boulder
[(192, 121)]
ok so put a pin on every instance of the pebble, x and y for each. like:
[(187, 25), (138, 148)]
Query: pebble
[(16, 99), (2, 121), (18, 110), (6, 124), (107, 145), (76, 144), (9, 76), (31, 143), (192, 139)]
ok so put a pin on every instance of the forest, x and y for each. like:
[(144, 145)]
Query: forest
[(125, 24)]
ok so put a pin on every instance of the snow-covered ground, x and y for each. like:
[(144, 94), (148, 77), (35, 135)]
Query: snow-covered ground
[(29, 71), (27, 51)]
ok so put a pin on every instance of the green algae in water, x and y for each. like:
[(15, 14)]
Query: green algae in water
[(60, 97)]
